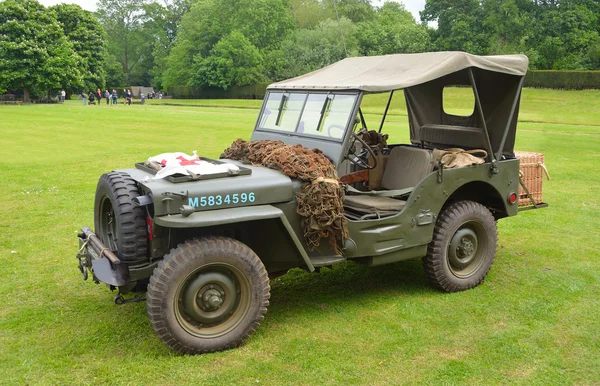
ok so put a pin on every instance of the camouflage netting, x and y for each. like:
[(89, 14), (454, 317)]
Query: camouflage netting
[(320, 202)]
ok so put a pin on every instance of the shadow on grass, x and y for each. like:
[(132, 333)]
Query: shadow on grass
[(298, 293), (348, 281)]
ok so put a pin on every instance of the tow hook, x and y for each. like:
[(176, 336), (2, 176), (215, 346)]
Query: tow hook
[(82, 266), (81, 256), (119, 299)]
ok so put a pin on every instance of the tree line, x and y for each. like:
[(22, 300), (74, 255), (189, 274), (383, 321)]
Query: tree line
[(224, 43)]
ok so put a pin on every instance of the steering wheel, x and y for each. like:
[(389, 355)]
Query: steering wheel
[(361, 159)]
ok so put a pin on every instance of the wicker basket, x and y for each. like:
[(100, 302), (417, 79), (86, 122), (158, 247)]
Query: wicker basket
[(531, 166)]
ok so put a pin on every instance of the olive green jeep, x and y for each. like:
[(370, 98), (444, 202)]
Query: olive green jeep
[(203, 246)]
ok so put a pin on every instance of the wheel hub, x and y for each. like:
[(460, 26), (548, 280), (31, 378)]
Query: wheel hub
[(465, 248), (462, 251), (209, 298)]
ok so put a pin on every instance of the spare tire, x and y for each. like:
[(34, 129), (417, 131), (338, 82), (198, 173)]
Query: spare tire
[(118, 222)]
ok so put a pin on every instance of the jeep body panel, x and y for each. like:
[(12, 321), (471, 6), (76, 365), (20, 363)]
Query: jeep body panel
[(233, 216), (266, 186), (389, 237)]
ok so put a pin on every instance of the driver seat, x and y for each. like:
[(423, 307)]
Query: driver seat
[(406, 167)]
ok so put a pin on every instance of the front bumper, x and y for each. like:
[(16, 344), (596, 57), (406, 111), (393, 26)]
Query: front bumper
[(100, 261)]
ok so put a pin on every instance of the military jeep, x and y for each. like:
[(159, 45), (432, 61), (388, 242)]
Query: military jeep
[(203, 247)]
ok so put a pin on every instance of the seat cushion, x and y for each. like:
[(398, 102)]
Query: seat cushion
[(406, 167), (373, 204)]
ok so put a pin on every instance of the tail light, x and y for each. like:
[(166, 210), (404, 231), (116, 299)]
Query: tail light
[(512, 198)]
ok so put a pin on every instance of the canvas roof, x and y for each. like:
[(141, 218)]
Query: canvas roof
[(394, 72)]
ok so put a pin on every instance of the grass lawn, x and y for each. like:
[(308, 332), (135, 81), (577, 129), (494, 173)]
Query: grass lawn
[(534, 320)]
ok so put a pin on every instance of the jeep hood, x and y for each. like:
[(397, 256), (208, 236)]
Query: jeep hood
[(262, 186)]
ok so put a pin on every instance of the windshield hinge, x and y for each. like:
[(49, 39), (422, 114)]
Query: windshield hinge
[(494, 167)]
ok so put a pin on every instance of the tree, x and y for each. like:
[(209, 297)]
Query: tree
[(310, 49), (509, 24), (115, 77), (308, 13), (264, 23), (355, 10), (173, 13), (234, 61), (127, 40), (86, 34), (564, 35), (393, 31), (460, 25), (35, 55)]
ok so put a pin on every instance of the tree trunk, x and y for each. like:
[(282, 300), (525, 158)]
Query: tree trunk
[(26, 95), (126, 65)]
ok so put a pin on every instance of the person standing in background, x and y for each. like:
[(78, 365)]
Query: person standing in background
[(129, 96), (124, 96), (83, 96), (114, 96), (107, 96), (62, 96), (99, 96)]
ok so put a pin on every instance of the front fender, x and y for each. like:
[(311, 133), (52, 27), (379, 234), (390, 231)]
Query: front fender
[(231, 216)]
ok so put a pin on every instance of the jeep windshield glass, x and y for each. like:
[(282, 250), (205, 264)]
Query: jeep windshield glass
[(308, 113)]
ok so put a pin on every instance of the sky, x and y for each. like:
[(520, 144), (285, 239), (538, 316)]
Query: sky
[(414, 6)]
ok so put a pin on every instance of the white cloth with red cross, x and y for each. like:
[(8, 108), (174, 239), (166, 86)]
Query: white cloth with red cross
[(182, 163)]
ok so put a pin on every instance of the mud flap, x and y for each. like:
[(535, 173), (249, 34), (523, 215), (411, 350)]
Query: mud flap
[(113, 274)]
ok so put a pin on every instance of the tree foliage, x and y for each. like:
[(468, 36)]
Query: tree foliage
[(86, 34), (309, 49), (130, 41), (234, 60), (393, 31), (263, 23), (227, 43), (555, 34), (35, 54)]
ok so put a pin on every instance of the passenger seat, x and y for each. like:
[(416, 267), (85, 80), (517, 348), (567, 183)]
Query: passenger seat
[(406, 168)]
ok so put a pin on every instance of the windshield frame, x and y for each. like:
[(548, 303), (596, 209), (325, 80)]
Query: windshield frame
[(348, 127)]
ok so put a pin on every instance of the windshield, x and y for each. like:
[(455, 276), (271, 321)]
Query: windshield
[(308, 113)]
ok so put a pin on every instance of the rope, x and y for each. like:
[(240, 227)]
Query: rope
[(540, 164), (84, 245), (320, 206), (456, 157), (326, 180)]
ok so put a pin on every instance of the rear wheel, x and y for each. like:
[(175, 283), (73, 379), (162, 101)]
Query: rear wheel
[(118, 222), (207, 295), (463, 247)]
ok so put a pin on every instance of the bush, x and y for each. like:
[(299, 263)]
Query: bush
[(255, 91), (569, 80)]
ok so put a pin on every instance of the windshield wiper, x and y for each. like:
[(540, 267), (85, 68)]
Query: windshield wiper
[(324, 109), (284, 99)]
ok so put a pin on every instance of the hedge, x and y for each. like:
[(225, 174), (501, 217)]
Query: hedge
[(570, 80), (254, 91)]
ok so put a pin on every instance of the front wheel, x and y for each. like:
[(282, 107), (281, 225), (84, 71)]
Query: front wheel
[(207, 295), (463, 247)]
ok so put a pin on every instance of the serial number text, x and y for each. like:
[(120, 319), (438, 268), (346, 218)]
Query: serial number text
[(225, 199)]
